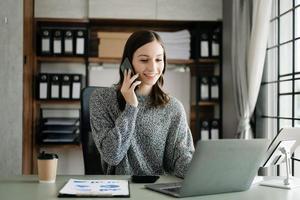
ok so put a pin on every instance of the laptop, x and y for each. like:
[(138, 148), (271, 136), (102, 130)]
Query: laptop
[(218, 166)]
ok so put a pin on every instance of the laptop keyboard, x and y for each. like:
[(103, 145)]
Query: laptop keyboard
[(174, 187)]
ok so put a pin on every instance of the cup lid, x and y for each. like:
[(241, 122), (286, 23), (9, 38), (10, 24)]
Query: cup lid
[(47, 156)]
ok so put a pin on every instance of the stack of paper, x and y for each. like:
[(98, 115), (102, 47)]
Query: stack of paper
[(177, 44), (59, 130)]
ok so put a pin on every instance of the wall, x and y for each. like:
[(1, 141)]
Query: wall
[(229, 113), (11, 79)]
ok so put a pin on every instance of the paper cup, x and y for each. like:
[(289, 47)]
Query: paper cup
[(47, 167)]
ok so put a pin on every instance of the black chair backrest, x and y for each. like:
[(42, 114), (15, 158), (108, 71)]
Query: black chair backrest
[(91, 155)]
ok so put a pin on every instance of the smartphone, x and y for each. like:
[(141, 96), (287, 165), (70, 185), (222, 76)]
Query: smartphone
[(144, 179), (126, 65)]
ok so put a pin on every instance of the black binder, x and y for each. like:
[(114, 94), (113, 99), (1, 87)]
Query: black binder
[(76, 86), (68, 43), (214, 88), (55, 86), (66, 86), (45, 41), (43, 91), (215, 43), (204, 44), (80, 42), (57, 42), (204, 130)]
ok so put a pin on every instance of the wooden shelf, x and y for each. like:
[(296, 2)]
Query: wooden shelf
[(118, 60), (61, 20), (207, 61), (58, 101), (61, 146), (61, 59), (180, 61), (208, 103), (104, 60)]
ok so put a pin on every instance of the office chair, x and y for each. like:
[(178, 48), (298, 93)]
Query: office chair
[(91, 155)]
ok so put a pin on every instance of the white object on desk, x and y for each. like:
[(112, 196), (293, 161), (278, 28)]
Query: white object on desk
[(282, 154)]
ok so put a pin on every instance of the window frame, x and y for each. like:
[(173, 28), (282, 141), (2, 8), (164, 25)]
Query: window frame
[(281, 78)]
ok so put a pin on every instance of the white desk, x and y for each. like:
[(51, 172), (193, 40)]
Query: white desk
[(27, 187)]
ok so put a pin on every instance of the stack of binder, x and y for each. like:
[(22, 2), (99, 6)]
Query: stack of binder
[(206, 42), (177, 44), (210, 129), (209, 88), (61, 41), (59, 86), (59, 130)]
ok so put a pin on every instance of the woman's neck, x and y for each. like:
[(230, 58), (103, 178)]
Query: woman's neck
[(144, 90)]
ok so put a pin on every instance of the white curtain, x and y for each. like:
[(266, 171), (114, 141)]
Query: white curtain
[(249, 43)]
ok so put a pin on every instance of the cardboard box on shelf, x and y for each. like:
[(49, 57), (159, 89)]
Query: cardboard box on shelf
[(112, 44)]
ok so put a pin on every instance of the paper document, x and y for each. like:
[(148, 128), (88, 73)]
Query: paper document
[(79, 187)]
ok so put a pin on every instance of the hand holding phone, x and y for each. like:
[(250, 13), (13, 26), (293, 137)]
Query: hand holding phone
[(126, 66), (129, 83)]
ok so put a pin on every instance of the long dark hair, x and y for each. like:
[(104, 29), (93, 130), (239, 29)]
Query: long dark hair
[(135, 41)]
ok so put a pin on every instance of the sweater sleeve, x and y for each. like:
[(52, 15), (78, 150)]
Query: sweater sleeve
[(180, 146), (112, 137)]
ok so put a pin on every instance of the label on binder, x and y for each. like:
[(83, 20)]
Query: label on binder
[(68, 46), (57, 46), (43, 90), (45, 45), (76, 90), (204, 49), (54, 91), (214, 91), (214, 134), (204, 92), (80, 46), (204, 134), (65, 92), (215, 49)]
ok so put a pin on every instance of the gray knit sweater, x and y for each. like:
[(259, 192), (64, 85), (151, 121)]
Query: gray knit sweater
[(141, 140)]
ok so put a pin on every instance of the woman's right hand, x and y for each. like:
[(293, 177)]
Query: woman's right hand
[(128, 86)]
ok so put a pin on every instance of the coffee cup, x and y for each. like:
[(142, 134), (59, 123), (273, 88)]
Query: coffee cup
[(47, 166)]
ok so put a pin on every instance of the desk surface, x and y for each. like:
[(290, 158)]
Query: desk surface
[(28, 187)]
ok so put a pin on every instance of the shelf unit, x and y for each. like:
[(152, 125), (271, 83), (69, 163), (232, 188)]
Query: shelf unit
[(37, 104), (198, 66)]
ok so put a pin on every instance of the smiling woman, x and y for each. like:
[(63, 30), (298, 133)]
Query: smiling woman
[(148, 63), (146, 52), (138, 128)]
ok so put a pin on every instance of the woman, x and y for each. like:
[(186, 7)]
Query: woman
[(137, 128)]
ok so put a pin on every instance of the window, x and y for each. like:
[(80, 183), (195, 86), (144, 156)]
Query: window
[(279, 99)]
